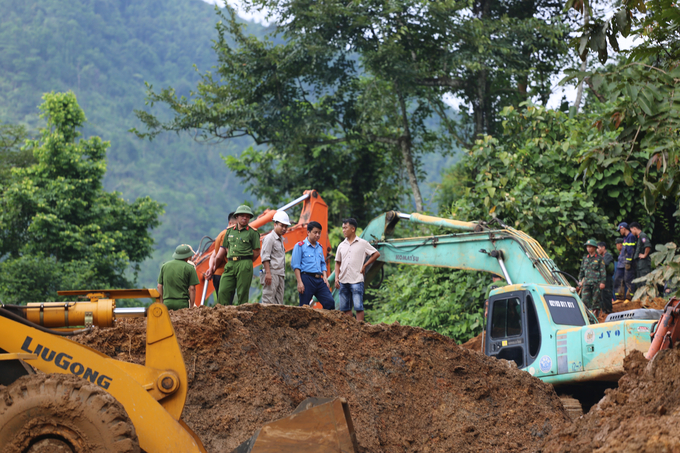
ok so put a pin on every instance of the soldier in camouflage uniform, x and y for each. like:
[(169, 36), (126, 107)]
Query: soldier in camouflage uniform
[(592, 276), (610, 266)]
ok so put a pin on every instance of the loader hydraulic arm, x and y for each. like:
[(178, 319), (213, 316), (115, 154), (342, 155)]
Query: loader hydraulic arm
[(153, 394)]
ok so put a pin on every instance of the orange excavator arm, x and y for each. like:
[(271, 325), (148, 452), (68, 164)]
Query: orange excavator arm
[(313, 209)]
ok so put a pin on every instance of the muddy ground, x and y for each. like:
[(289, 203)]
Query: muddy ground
[(409, 390), (642, 415)]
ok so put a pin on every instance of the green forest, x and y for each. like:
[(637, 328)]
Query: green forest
[(349, 99)]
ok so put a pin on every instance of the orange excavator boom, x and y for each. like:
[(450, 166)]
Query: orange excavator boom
[(313, 209)]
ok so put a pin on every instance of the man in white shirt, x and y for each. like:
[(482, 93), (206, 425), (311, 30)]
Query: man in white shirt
[(350, 266)]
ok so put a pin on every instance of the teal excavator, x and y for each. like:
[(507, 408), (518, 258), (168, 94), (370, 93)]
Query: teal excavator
[(537, 321)]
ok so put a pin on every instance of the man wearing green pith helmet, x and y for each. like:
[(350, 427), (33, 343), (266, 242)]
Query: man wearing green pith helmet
[(592, 276), (178, 279), (241, 246)]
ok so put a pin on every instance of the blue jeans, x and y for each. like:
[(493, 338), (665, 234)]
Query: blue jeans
[(316, 287), (351, 292)]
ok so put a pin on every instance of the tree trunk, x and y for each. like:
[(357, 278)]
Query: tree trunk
[(407, 154), (481, 120), (481, 10), (579, 91)]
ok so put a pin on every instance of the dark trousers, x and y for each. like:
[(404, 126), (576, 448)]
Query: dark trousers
[(216, 284), (316, 287), (629, 276), (619, 286)]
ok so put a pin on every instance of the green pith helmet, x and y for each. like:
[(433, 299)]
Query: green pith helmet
[(183, 252), (243, 209), (592, 242)]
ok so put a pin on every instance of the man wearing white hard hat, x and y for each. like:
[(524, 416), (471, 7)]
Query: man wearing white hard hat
[(274, 260)]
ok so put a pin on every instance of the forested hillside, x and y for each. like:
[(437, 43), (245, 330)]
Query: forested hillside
[(104, 51)]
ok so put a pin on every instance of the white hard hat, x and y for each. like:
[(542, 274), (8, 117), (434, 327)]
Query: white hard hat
[(282, 217)]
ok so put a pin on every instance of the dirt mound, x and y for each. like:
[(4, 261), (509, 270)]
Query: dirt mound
[(642, 415), (658, 303), (474, 343), (408, 389)]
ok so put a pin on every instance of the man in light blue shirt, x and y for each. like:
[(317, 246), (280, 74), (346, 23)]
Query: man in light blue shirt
[(309, 265)]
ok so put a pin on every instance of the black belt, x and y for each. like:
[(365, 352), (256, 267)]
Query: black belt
[(312, 274), (239, 258)]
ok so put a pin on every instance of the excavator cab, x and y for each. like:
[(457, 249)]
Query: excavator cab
[(513, 329)]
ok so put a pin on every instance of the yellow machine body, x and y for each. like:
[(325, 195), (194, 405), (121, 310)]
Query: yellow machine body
[(154, 394)]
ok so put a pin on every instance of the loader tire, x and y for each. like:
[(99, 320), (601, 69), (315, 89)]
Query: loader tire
[(572, 407), (63, 413)]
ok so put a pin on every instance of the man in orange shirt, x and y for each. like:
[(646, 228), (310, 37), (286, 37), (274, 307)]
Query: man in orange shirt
[(219, 267)]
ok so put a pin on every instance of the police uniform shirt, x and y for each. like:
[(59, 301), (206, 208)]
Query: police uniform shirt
[(177, 276), (642, 244), (241, 243), (308, 258)]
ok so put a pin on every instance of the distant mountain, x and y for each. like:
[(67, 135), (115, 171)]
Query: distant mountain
[(104, 51)]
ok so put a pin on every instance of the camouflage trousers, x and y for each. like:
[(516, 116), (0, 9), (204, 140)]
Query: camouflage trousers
[(590, 295)]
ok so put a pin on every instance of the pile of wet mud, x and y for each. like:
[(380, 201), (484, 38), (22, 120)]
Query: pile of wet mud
[(657, 303), (641, 415), (409, 390)]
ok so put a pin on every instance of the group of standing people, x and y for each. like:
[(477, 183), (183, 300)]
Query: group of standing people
[(602, 279), (231, 266)]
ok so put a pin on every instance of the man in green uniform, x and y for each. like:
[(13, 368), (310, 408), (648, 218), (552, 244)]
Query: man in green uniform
[(592, 276), (497, 282), (610, 266), (241, 246), (642, 250), (178, 279)]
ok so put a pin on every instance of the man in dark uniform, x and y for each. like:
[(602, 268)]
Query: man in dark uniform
[(592, 276), (643, 263), (610, 266), (241, 246), (623, 285), (178, 279), (309, 265), (618, 268)]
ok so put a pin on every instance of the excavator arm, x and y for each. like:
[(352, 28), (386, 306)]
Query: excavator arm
[(475, 246), (313, 209)]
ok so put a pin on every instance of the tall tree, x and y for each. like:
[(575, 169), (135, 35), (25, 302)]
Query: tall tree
[(58, 227), (355, 76), (12, 138)]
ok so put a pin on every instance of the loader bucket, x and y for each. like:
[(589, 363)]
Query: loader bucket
[(317, 425)]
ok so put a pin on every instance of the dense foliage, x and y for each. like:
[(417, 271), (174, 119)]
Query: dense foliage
[(564, 178), (104, 51), (12, 138), (59, 229), (338, 82), (451, 303)]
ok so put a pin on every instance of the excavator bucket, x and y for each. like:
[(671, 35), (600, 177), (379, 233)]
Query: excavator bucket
[(318, 425)]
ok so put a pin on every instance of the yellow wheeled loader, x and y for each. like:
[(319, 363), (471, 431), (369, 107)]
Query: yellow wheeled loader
[(83, 401)]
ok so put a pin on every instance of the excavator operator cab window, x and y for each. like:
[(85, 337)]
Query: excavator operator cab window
[(507, 318), (508, 329), (533, 330)]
